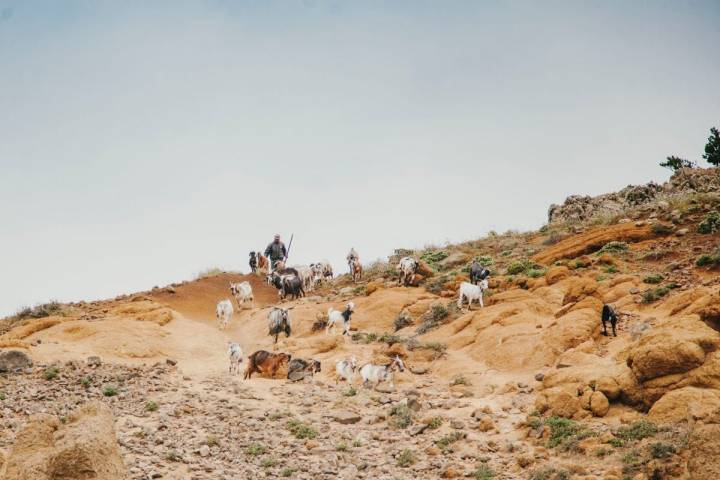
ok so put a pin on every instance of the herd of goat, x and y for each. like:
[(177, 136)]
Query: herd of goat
[(295, 282)]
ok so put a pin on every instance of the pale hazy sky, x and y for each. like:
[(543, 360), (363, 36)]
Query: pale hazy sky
[(141, 142)]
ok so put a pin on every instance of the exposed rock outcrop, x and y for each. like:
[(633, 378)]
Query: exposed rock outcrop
[(85, 447)]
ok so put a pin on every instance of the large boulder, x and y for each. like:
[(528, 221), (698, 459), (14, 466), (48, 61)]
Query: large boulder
[(675, 346), (13, 361), (685, 404), (83, 448)]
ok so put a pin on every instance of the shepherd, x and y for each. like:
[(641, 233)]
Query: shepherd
[(276, 251)]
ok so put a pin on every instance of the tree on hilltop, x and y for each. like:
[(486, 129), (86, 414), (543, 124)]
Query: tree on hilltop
[(712, 148), (676, 163)]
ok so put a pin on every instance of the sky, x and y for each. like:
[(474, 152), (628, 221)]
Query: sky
[(142, 142)]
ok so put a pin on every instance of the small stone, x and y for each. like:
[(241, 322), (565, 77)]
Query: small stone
[(418, 429), (346, 418), (94, 361), (171, 362), (539, 377), (204, 451), (457, 424)]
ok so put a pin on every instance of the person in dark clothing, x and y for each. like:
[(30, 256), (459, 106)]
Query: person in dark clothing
[(253, 262), (276, 251)]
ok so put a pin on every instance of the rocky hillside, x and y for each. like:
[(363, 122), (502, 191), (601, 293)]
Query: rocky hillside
[(526, 388)]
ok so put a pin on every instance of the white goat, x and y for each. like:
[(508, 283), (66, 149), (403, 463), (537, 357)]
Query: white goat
[(306, 276), (407, 268), (471, 293), (345, 369), (235, 354), (381, 373), (223, 312), (242, 292), (336, 316)]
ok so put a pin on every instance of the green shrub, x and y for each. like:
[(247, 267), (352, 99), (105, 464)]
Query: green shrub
[(401, 416), (603, 452), (445, 442), (536, 272), (519, 266), (549, 473), (211, 441), (268, 462), (432, 257), (288, 472), (405, 458), (301, 430), (709, 260), (662, 450), (432, 318), (403, 320), (51, 373), (390, 339), (435, 423), (151, 406), (483, 472), (341, 447), (351, 392), (86, 382), (654, 278), (650, 296), (255, 449), (711, 223), (611, 269), (637, 431), (561, 429), (356, 443), (632, 462), (613, 247), (41, 310), (110, 391)]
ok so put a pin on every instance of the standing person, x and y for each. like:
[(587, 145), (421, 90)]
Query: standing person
[(351, 257), (253, 262), (276, 251)]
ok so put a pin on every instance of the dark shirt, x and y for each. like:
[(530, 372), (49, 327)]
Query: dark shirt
[(276, 251)]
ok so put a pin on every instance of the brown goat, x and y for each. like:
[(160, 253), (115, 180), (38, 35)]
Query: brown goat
[(265, 363)]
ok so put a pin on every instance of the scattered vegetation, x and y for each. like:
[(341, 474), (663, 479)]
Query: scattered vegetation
[(255, 449), (432, 318), (674, 163), (403, 320), (483, 472), (613, 248), (711, 223), (565, 433), (549, 473), (40, 311), (445, 443), (637, 431), (356, 443), (536, 272), (662, 450), (211, 441), (712, 147), (51, 373), (86, 382), (435, 423), (390, 339), (288, 472), (268, 462), (433, 257), (401, 416), (655, 278), (520, 266), (405, 458), (350, 392), (632, 462), (611, 269), (109, 391), (301, 430), (364, 338), (341, 447), (652, 295), (709, 260), (151, 406), (459, 380)]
